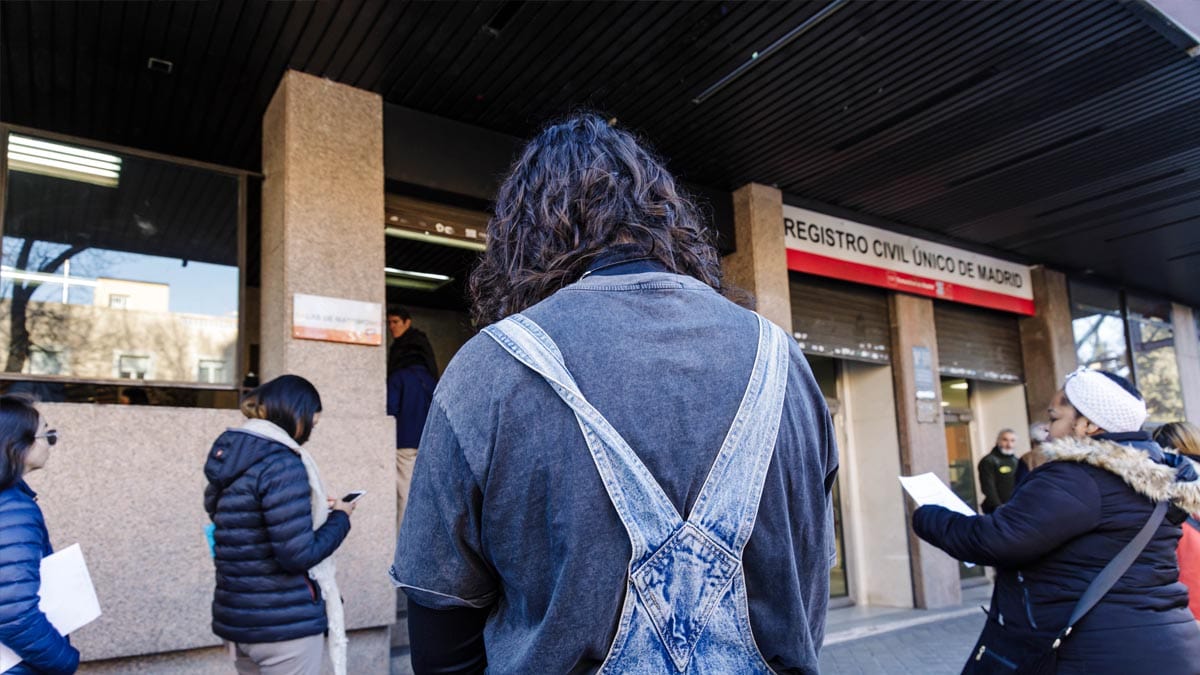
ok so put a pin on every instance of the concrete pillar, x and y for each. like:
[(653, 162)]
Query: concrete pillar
[(1047, 341), (759, 265), (872, 499), (1187, 354), (322, 224), (922, 435)]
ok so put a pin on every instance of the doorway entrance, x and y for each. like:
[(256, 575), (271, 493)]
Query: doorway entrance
[(956, 411)]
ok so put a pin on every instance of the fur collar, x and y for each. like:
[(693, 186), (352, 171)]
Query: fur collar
[(1149, 478)]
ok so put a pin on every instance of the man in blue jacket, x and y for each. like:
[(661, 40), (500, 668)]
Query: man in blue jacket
[(412, 372)]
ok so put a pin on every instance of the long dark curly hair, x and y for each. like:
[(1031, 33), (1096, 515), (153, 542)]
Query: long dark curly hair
[(580, 187)]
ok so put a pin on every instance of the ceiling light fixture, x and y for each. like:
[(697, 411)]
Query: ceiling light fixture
[(959, 385), (32, 155), (418, 281), (761, 55)]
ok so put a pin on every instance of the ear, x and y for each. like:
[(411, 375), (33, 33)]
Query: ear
[(1091, 429)]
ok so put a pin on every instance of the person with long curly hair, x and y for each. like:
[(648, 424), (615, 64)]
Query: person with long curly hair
[(625, 471)]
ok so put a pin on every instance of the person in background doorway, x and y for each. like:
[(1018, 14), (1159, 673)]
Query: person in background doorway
[(25, 440), (1039, 433), (998, 471), (1184, 438), (134, 396), (412, 375), (1100, 489), (275, 533), (609, 443)]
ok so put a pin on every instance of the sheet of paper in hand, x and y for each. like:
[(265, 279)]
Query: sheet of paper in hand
[(68, 598)]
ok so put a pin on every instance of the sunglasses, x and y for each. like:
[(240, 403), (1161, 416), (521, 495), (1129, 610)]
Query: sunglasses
[(51, 436)]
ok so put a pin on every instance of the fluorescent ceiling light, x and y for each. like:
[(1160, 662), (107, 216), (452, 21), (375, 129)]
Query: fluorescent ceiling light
[(417, 281), (959, 385), (945, 404), (7, 272), (32, 155), (392, 271)]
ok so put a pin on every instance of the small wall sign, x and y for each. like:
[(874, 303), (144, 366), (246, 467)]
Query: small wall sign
[(316, 317)]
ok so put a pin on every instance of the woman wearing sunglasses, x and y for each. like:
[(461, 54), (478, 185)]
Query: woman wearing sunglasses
[(25, 441)]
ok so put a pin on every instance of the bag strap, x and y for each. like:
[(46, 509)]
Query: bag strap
[(1113, 571)]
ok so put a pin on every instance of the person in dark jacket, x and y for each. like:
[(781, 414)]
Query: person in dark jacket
[(1069, 518), (1183, 438), (275, 536), (412, 375), (998, 471), (25, 441)]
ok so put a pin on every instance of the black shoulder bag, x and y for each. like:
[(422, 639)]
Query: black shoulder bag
[(1007, 650)]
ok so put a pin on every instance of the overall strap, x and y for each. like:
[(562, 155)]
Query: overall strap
[(648, 515), (728, 503), (1113, 571)]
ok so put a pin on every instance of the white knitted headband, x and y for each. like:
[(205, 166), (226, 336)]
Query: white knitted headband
[(1107, 404)]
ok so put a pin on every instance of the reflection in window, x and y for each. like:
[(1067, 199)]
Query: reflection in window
[(127, 264), (212, 370), (132, 367), (1152, 337), (1098, 328)]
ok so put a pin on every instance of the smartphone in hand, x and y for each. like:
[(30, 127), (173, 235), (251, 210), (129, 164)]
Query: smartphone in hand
[(351, 497)]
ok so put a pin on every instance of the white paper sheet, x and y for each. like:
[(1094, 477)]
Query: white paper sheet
[(68, 598), (927, 488)]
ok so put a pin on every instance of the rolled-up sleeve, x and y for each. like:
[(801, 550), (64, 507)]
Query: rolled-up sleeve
[(439, 562)]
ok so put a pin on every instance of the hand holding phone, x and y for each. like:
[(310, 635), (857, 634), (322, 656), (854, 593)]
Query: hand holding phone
[(346, 503)]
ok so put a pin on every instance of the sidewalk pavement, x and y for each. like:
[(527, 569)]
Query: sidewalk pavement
[(877, 640)]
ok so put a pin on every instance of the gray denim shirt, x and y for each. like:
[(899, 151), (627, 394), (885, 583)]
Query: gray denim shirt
[(508, 511)]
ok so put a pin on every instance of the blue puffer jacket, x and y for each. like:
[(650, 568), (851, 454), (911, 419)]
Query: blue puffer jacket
[(1067, 520), (258, 497), (24, 541)]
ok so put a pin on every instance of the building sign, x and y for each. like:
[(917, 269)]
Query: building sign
[(831, 247), (316, 317), (925, 381)]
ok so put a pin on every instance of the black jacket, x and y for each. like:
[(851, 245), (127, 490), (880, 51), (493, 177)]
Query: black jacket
[(997, 477), (258, 496), (1062, 525)]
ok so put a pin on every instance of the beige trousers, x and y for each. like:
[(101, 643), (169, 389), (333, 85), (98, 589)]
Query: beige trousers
[(302, 656), (405, 459)]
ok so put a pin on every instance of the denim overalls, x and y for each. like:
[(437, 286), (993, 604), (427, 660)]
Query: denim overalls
[(685, 604)]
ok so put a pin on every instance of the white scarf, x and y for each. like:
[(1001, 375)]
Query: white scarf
[(324, 572)]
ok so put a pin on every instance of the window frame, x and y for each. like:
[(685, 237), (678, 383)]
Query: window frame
[(242, 176)]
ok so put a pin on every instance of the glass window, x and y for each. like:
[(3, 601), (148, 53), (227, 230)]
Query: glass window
[(212, 370), (128, 264), (1152, 337), (133, 366), (1098, 328)]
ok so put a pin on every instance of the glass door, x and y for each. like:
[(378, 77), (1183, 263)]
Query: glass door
[(956, 410)]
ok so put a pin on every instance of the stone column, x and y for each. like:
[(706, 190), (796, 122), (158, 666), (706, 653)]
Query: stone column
[(1047, 341), (323, 220), (922, 435), (1187, 354), (759, 265)]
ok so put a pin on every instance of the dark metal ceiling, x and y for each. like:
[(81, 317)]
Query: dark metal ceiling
[(1059, 132)]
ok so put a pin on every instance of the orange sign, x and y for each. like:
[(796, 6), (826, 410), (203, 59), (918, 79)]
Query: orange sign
[(316, 317)]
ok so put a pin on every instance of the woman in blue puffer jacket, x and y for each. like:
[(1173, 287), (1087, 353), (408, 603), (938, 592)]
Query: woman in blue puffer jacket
[(275, 536), (25, 441), (1067, 520)]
